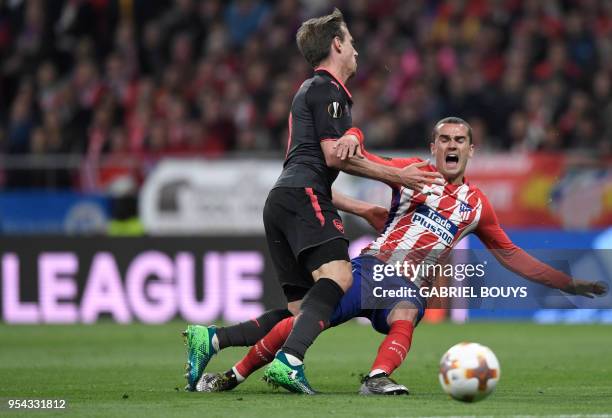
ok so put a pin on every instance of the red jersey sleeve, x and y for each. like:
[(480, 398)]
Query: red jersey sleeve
[(511, 256), (391, 162)]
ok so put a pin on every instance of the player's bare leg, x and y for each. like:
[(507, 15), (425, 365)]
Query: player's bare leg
[(391, 353)]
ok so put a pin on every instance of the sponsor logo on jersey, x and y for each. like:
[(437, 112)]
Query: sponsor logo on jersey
[(335, 110), (434, 222)]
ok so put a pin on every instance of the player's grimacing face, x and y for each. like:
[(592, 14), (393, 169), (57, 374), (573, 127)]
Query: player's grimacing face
[(452, 150)]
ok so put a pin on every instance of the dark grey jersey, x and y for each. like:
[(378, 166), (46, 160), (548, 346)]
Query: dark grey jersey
[(321, 111)]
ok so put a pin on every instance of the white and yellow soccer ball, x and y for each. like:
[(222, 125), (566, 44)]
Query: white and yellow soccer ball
[(469, 372)]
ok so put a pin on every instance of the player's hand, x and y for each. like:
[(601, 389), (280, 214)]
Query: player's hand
[(416, 179), (585, 288), (348, 147), (377, 217)]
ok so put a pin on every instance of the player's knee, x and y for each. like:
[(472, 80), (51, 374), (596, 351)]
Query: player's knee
[(403, 312), (344, 280), (339, 271)]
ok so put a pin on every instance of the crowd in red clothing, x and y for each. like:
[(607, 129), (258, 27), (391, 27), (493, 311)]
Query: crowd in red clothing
[(207, 77)]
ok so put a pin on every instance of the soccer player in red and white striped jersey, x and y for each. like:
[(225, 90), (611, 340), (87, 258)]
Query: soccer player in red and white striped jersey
[(422, 223), (421, 228)]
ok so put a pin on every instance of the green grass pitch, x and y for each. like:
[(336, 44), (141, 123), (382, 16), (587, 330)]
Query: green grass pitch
[(136, 370)]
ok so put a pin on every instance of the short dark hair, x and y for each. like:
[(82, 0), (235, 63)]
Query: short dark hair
[(454, 121), (315, 36)]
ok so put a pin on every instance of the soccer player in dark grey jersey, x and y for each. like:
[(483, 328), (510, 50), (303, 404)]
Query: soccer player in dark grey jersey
[(304, 232)]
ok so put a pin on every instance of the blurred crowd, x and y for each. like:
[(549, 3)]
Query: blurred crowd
[(114, 78)]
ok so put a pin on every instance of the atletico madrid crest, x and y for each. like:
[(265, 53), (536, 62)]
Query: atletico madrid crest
[(464, 211)]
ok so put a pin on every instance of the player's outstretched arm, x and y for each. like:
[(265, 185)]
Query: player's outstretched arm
[(374, 214), (361, 164), (520, 262), (343, 149)]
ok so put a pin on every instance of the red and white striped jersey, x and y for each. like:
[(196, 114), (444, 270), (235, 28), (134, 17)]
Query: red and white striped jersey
[(424, 228)]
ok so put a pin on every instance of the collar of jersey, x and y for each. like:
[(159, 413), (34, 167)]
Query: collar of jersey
[(465, 183), (328, 71)]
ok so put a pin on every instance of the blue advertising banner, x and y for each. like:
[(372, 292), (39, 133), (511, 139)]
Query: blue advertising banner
[(57, 212)]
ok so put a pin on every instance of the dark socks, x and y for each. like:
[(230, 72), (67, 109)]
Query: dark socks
[(247, 333), (317, 308)]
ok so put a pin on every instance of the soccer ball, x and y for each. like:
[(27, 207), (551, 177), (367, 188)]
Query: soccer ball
[(469, 372)]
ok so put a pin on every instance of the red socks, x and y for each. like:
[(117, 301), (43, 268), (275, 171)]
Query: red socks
[(391, 353), (264, 351), (394, 348)]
